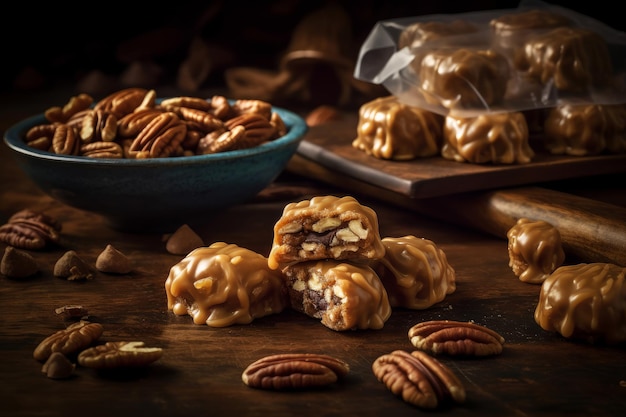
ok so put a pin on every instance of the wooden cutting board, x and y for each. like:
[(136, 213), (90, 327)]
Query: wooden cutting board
[(330, 145)]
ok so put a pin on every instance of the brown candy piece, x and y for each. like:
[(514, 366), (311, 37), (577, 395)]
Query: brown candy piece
[(112, 261), (224, 284), (183, 241), (535, 250), (58, 366), (585, 302), (17, 263), (498, 138), (388, 129), (72, 267), (463, 78), (342, 296), (415, 272), (326, 227)]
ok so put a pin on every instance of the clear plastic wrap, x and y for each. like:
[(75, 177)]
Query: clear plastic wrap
[(534, 56)]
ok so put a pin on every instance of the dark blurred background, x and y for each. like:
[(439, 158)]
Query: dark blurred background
[(98, 47)]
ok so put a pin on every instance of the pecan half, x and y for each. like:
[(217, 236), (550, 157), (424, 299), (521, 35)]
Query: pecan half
[(126, 101), (102, 150), (73, 106), (119, 355), (229, 140), (40, 136), (189, 102), (455, 338), (207, 122), (160, 138), (294, 371), (72, 339), (30, 230), (418, 378), (130, 125), (98, 125), (258, 128), (65, 140)]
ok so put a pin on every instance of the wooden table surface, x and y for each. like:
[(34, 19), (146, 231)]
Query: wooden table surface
[(537, 374)]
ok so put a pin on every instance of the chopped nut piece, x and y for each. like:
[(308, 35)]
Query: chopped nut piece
[(119, 355), (30, 230), (72, 267), (112, 261), (418, 378), (70, 340), (72, 311), (455, 338), (183, 241), (57, 366), (17, 263), (294, 371)]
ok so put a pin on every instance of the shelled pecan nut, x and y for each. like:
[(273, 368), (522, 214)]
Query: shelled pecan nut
[(160, 138), (74, 105), (130, 125), (40, 136), (189, 102), (27, 229), (294, 371), (260, 107), (65, 140), (258, 128), (102, 150), (126, 101), (98, 125), (70, 340), (227, 141), (207, 122), (418, 378), (455, 338), (119, 355)]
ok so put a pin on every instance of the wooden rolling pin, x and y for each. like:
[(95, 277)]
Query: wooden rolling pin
[(591, 230)]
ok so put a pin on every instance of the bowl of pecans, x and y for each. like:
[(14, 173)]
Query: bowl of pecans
[(148, 163)]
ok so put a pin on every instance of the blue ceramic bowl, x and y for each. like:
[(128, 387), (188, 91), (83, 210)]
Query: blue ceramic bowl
[(157, 193)]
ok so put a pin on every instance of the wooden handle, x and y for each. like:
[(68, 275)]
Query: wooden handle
[(591, 230)]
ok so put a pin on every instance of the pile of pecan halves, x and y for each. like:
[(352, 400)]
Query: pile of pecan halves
[(132, 123)]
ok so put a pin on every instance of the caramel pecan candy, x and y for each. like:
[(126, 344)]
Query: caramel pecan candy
[(418, 378), (294, 371), (455, 338), (70, 340)]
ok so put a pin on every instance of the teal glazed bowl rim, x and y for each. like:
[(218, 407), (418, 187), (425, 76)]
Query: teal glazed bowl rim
[(13, 137), (156, 193)]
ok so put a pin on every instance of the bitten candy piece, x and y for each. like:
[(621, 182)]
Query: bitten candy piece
[(499, 138), (415, 272), (388, 129), (343, 296), (585, 301), (326, 227), (535, 250), (224, 284)]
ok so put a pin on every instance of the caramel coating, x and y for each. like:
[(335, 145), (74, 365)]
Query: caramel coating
[(461, 78), (500, 138), (581, 130), (388, 129), (512, 29), (224, 284), (535, 250), (343, 296), (571, 59), (326, 227), (585, 301), (415, 272), (419, 34)]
